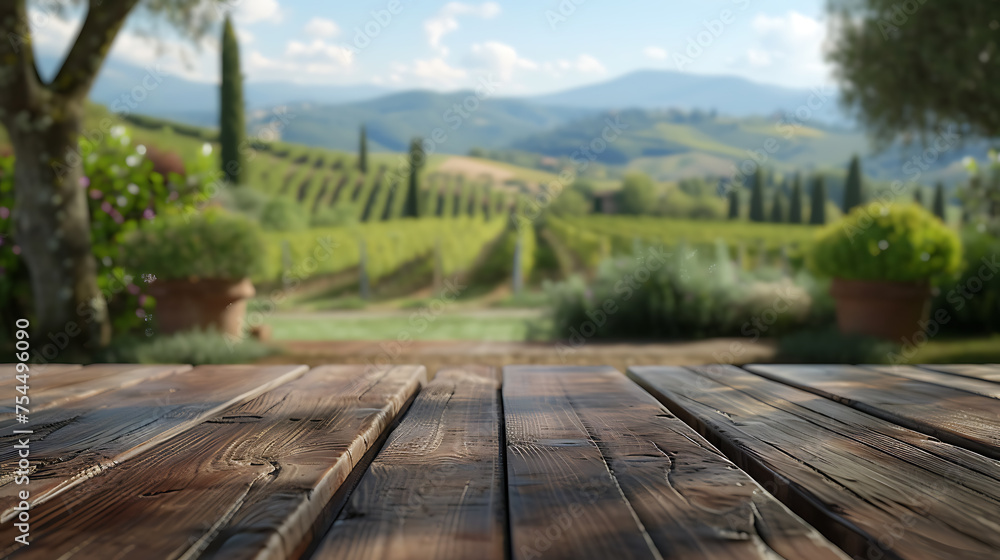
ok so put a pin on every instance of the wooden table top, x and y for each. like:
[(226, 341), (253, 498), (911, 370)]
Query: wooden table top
[(348, 461)]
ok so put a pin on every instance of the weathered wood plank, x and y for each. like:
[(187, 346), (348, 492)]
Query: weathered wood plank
[(51, 390), (76, 441), (967, 384), (876, 489), (952, 415), (985, 372), (597, 468), (254, 481), (8, 371), (436, 489)]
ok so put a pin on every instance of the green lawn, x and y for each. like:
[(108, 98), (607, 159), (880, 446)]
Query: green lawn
[(444, 327), (981, 350)]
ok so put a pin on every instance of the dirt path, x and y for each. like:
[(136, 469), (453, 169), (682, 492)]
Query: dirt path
[(437, 354)]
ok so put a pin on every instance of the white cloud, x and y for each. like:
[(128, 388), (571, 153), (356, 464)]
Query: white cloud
[(655, 53), (587, 64), (321, 27), (436, 69), (446, 20), (253, 11), (497, 58), (789, 47), (320, 49)]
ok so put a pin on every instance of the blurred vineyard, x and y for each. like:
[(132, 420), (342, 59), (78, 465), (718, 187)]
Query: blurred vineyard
[(592, 238)]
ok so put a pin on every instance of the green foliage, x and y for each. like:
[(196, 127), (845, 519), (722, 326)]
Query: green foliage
[(918, 196), (795, 206), (208, 244), (831, 347), (817, 202), (853, 194), (123, 191), (778, 209), (886, 242), (734, 204), (939, 204), (972, 302), (232, 127), (283, 214), (389, 246), (411, 208), (247, 200), (570, 202), (342, 215), (596, 236), (363, 151), (637, 195), (981, 198), (672, 295), (952, 41), (757, 196)]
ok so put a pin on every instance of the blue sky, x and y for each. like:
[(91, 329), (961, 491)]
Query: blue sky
[(528, 46)]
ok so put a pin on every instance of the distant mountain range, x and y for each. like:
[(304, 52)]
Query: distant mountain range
[(680, 124)]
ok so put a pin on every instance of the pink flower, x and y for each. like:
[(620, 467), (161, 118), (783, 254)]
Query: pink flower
[(140, 312), (84, 182), (148, 214), (95, 194), (4, 212), (117, 217), (16, 250), (142, 300), (133, 289), (106, 206)]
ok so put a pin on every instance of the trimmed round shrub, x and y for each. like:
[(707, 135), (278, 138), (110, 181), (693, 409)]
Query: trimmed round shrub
[(890, 242), (208, 244)]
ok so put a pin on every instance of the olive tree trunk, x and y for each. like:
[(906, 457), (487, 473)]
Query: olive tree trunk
[(51, 221), (52, 228)]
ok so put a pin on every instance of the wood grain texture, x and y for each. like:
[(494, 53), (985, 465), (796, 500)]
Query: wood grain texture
[(985, 372), (52, 390), (436, 489), (8, 371), (952, 415), (79, 440), (253, 481), (876, 489), (597, 468), (961, 382)]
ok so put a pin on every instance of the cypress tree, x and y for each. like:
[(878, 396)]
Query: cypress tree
[(939, 201), (411, 208), (817, 214), (778, 209), (918, 196), (795, 209), (734, 204), (757, 197), (232, 128), (853, 195), (363, 151)]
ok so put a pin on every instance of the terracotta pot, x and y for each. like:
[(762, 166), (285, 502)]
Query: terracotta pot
[(186, 304), (894, 311)]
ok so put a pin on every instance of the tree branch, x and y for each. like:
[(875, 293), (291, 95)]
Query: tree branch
[(80, 68), (18, 75)]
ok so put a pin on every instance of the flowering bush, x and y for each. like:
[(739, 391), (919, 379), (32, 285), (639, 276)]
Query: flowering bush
[(123, 190)]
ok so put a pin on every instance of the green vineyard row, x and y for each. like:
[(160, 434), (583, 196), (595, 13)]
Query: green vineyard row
[(388, 246)]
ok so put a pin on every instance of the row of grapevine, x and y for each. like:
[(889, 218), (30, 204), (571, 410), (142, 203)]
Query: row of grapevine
[(319, 179), (388, 246), (593, 237)]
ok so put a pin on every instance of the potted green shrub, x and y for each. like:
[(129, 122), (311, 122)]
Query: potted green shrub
[(200, 266), (883, 259)]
